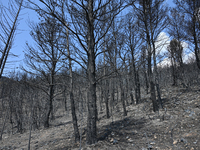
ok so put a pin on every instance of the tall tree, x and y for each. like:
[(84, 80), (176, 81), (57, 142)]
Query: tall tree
[(190, 9), (134, 42), (153, 19), (86, 18), (71, 94), (46, 58), (175, 50)]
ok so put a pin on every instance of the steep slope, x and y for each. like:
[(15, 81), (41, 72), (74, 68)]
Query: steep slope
[(174, 127)]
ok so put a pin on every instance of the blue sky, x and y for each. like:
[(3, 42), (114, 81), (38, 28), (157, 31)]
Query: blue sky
[(23, 36)]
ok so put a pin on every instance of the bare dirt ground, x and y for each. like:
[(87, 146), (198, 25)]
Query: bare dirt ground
[(176, 127)]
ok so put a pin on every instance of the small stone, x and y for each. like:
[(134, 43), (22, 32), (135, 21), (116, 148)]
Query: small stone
[(155, 137), (195, 142), (150, 147), (183, 140), (130, 140), (152, 143), (175, 142), (191, 134), (115, 141)]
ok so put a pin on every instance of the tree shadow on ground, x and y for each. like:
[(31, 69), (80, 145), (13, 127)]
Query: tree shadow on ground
[(63, 123), (121, 129)]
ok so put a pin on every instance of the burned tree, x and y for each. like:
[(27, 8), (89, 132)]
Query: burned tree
[(45, 59)]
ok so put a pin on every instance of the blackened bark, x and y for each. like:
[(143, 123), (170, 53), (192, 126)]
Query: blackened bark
[(152, 85), (146, 82), (65, 101), (122, 99), (174, 73), (107, 106), (138, 86), (73, 109), (136, 79), (52, 83), (91, 137), (100, 98), (196, 49), (4, 124), (153, 97), (105, 85), (131, 95), (50, 108), (74, 118), (156, 76)]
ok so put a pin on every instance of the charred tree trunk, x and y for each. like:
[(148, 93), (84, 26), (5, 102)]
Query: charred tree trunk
[(156, 76), (136, 79), (71, 95), (152, 85), (122, 99), (50, 108), (51, 88), (91, 137), (106, 103), (196, 48)]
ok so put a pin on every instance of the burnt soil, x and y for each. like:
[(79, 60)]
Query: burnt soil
[(176, 126)]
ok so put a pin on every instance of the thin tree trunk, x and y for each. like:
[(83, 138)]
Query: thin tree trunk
[(196, 49), (146, 81), (156, 76), (100, 97), (122, 99), (73, 109), (30, 125), (4, 124), (136, 79), (106, 84), (150, 74), (9, 41), (107, 103), (132, 100)]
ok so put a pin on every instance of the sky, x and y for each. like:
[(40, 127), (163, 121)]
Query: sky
[(23, 36)]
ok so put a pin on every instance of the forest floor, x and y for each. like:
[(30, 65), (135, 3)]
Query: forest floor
[(177, 126)]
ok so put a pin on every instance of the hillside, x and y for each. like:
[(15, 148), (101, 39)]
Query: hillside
[(174, 127)]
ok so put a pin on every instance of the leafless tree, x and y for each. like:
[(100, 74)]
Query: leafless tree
[(46, 59), (190, 9), (175, 50), (8, 25), (85, 25), (71, 94), (134, 42), (153, 19)]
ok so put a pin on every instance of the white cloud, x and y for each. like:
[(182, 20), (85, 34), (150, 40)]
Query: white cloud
[(166, 62), (161, 43), (189, 57), (185, 45)]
